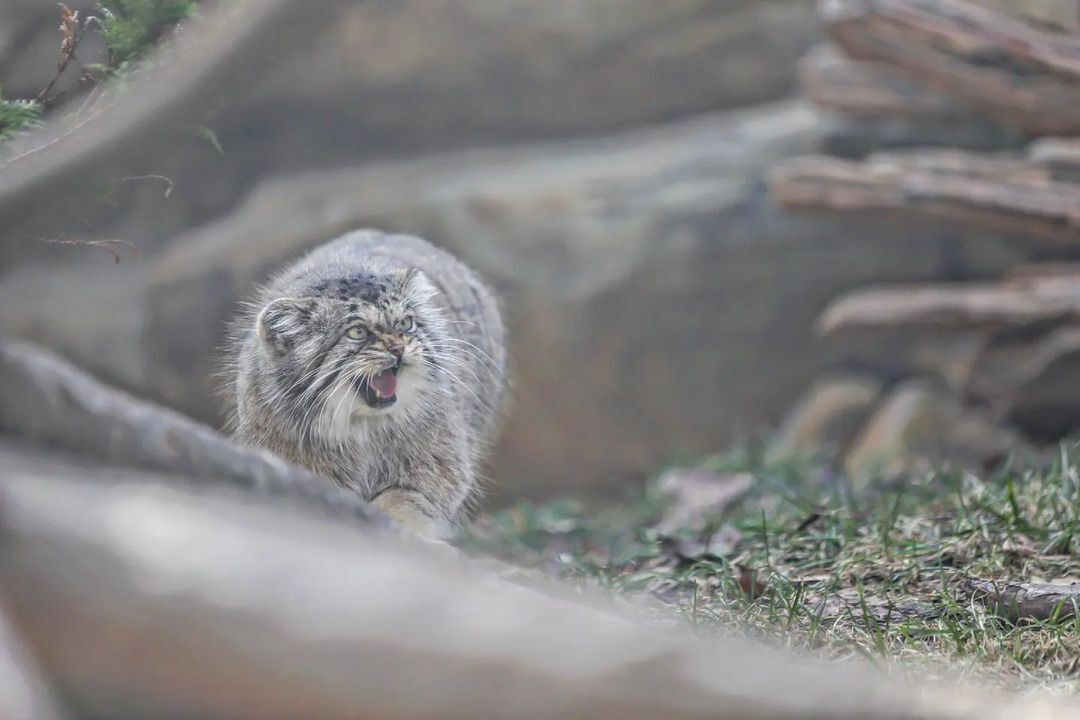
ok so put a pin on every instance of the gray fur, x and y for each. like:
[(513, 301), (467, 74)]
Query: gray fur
[(297, 373)]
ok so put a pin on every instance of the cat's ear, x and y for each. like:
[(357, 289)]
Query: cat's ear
[(405, 278), (281, 322), (414, 282)]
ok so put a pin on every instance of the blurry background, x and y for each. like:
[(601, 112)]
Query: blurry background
[(631, 175)]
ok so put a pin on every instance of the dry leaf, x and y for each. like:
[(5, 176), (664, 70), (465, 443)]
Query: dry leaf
[(750, 583), (693, 547), (698, 496), (1020, 545)]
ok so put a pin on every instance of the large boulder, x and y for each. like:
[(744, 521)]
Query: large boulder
[(658, 304), (282, 86)]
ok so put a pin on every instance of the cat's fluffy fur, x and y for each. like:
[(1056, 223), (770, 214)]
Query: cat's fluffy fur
[(311, 357)]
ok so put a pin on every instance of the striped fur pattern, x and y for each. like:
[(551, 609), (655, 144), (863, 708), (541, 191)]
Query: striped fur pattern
[(377, 360)]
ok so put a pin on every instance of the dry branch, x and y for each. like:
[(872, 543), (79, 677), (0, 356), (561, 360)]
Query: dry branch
[(1022, 75), (1002, 195), (149, 602), (1027, 601), (974, 306)]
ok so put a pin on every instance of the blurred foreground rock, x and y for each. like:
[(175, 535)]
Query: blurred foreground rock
[(142, 599), (47, 402)]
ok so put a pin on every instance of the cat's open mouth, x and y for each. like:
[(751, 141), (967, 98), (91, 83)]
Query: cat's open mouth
[(379, 390)]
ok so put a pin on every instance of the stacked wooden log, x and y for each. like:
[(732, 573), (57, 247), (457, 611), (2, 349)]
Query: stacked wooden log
[(1001, 355)]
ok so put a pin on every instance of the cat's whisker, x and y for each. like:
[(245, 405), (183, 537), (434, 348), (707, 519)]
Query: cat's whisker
[(465, 386), (483, 357), (441, 357)]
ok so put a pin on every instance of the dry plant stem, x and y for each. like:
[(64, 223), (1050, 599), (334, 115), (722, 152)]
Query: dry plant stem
[(108, 245), (69, 28), (168, 183)]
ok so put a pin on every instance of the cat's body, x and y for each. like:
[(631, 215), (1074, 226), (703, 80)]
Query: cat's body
[(376, 360)]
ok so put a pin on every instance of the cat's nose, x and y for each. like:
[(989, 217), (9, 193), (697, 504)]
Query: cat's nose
[(396, 349)]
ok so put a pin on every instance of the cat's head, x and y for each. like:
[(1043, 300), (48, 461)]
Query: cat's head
[(343, 349)]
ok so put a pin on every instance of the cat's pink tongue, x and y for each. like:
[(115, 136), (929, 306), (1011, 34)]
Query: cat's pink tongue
[(385, 383)]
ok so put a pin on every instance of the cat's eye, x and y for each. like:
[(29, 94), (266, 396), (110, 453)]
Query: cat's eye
[(406, 324), (356, 333)]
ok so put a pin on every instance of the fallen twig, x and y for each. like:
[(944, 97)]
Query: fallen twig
[(169, 183), (1027, 601), (107, 245)]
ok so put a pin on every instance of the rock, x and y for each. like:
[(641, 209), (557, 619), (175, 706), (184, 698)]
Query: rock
[(355, 82), (46, 401), (826, 420), (24, 693), (658, 305), (594, 246), (919, 426), (217, 606), (655, 300), (507, 69)]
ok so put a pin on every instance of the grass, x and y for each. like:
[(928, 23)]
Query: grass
[(803, 564), (17, 116), (131, 27)]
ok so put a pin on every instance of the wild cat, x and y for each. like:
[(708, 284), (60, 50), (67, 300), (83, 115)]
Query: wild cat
[(377, 360)]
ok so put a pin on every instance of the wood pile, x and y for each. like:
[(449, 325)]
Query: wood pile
[(1004, 350)]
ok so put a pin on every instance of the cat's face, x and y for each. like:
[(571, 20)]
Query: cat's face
[(351, 348)]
